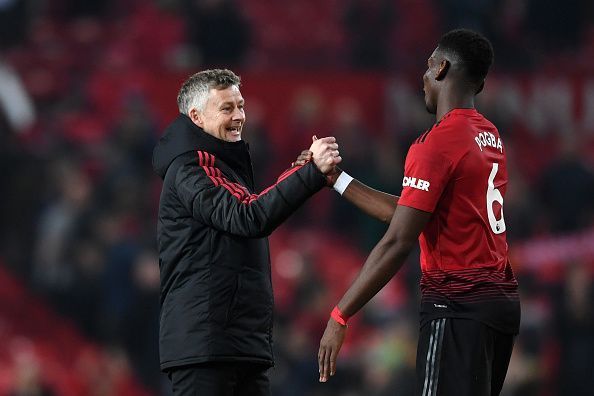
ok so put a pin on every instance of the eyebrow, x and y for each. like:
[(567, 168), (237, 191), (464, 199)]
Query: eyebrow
[(231, 102)]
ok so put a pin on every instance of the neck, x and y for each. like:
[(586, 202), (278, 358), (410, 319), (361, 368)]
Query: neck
[(453, 100)]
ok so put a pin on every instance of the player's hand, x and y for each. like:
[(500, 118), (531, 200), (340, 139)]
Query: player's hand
[(325, 153), (329, 347), (332, 176), (304, 157)]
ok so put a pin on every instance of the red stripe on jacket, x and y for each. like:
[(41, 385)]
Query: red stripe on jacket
[(207, 161)]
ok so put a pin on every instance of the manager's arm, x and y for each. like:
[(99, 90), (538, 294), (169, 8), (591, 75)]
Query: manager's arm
[(230, 207), (227, 206)]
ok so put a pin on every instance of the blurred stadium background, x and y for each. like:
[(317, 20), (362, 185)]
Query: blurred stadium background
[(86, 88)]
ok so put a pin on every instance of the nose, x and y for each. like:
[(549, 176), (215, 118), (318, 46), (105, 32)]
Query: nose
[(238, 114)]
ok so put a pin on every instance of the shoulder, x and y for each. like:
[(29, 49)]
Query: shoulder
[(193, 163), (453, 136), (439, 141)]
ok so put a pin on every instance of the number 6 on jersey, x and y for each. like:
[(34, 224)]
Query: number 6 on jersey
[(494, 195)]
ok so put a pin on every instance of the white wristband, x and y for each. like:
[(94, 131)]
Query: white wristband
[(342, 182)]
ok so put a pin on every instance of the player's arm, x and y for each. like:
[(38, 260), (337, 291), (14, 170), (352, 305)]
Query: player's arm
[(374, 203), (383, 263)]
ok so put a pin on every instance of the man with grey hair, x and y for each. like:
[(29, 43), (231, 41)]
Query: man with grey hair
[(216, 291)]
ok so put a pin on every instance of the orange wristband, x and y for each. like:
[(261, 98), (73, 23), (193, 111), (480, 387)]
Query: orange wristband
[(338, 316)]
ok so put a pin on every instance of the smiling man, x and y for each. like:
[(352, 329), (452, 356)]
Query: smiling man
[(216, 291)]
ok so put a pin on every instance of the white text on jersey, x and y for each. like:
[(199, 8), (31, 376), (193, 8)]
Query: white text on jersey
[(415, 183), (485, 139)]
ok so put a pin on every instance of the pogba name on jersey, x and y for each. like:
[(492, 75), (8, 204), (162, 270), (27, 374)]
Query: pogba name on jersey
[(487, 139)]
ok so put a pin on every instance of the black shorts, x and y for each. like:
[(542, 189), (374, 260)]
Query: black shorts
[(461, 357), (220, 379)]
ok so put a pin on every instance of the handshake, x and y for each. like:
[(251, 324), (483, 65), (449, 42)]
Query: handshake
[(325, 155)]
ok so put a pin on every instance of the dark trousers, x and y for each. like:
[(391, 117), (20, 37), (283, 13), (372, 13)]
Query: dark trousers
[(220, 379), (460, 357)]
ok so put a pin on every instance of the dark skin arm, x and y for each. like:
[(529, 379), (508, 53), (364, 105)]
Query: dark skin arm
[(377, 204), (384, 261), (374, 203)]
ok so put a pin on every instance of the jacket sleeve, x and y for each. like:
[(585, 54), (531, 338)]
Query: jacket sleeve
[(230, 207)]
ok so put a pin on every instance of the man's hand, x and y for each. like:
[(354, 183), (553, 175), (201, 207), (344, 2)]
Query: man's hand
[(325, 154), (329, 347), (332, 176), (307, 155)]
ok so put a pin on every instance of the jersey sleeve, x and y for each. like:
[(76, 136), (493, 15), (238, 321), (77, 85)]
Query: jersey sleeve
[(227, 206), (427, 171)]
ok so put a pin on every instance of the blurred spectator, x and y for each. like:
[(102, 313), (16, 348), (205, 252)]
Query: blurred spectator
[(133, 138), (566, 189), (349, 127), (506, 26), (575, 331), (106, 374), (359, 156), (306, 117), (557, 25), (16, 105), (121, 250), (140, 326), (58, 226), (20, 190), (27, 372), (70, 10), (369, 24), (521, 209), (262, 150), (389, 359), (301, 324), (524, 373), (82, 295), (470, 14), (218, 30), (370, 156), (13, 22)]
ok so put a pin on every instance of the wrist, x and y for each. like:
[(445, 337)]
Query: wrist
[(339, 317), (332, 177), (342, 182)]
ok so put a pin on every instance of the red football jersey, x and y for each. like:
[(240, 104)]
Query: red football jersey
[(457, 171)]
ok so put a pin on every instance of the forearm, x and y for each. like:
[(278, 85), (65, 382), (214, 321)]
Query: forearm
[(230, 207), (386, 258), (377, 204), (384, 261)]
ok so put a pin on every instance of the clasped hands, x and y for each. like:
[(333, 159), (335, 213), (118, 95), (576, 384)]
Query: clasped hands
[(324, 152)]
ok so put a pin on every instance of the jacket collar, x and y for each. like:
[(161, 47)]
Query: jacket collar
[(182, 136)]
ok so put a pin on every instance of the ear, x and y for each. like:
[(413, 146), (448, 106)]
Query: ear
[(444, 66), (480, 88), (196, 117)]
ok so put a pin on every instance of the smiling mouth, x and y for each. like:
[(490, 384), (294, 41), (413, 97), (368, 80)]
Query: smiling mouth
[(234, 130)]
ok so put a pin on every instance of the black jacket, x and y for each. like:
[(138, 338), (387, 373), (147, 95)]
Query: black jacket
[(216, 290)]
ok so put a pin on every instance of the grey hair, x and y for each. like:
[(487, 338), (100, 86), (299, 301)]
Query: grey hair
[(194, 91)]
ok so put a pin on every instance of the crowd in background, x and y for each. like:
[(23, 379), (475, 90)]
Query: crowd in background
[(79, 196)]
